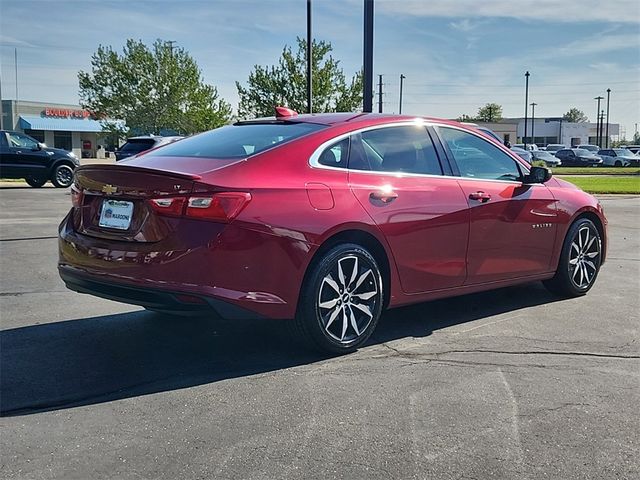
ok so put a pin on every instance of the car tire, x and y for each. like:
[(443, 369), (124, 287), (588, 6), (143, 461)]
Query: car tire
[(62, 176), (580, 260), (35, 182), (341, 301), (618, 163)]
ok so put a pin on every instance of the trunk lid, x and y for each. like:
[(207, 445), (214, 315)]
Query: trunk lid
[(124, 190)]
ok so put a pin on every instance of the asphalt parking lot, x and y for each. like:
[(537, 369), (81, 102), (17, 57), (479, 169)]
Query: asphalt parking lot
[(514, 383)]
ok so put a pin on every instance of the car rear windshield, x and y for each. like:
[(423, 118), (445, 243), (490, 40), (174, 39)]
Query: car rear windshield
[(237, 141), (137, 145)]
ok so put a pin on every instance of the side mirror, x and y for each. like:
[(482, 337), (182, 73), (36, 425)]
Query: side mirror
[(38, 146), (537, 175)]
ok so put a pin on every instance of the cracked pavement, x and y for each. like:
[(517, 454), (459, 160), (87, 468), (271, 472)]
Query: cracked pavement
[(513, 383)]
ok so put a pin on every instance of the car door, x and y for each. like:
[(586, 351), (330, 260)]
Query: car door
[(396, 174), (29, 159), (7, 168), (513, 226)]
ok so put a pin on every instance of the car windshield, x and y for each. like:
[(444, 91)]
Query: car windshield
[(237, 141), (582, 152), (623, 151)]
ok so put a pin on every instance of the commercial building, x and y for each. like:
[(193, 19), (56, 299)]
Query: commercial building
[(544, 131), (58, 125)]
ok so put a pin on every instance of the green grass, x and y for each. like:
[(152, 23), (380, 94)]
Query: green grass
[(596, 171), (607, 184)]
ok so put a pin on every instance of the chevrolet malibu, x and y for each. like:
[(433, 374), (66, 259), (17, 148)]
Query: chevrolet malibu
[(325, 220)]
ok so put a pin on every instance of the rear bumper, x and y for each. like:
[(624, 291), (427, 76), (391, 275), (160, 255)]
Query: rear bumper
[(152, 298)]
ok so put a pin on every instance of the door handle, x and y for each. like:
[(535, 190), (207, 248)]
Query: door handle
[(480, 196), (384, 197)]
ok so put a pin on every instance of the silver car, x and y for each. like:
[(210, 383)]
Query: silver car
[(619, 157), (548, 158)]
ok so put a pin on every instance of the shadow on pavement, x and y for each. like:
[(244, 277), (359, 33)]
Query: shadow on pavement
[(93, 360)]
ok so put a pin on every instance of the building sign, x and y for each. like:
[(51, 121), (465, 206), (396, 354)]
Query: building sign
[(65, 113)]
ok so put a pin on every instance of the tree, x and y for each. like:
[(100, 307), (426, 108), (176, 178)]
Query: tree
[(491, 112), (154, 90), (285, 84), (575, 116)]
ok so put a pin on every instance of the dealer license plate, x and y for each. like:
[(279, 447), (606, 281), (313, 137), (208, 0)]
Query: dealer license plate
[(116, 214)]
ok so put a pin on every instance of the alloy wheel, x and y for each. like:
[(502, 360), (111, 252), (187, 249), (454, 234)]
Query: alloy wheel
[(348, 297), (584, 257)]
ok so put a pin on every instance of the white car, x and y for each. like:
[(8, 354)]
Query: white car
[(619, 157)]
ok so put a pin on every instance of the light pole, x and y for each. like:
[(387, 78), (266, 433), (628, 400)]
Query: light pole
[(533, 122), (526, 107), (598, 98), (367, 94), (402, 77), (601, 128), (309, 60), (608, 98)]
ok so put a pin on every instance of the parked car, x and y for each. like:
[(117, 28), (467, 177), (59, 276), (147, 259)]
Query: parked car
[(577, 157), (619, 157), (530, 146), (135, 145), (524, 154), (632, 148), (326, 220), (554, 147), (549, 159), (22, 156), (591, 148)]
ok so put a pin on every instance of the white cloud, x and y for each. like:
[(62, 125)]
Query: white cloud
[(623, 11)]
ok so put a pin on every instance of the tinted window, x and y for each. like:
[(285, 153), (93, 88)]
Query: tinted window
[(137, 145), (237, 141), (19, 140), (336, 155), (477, 158), (405, 149)]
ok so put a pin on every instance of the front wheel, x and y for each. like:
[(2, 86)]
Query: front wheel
[(617, 164), (62, 176), (341, 300), (580, 260)]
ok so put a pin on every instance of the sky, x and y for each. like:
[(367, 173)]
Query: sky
[(456, 55)]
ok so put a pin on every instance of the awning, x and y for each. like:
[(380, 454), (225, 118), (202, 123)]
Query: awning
[(36, 122)]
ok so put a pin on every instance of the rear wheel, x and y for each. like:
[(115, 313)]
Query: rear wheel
[(62, 176), (580, 260), (35, 182), (341, 300)]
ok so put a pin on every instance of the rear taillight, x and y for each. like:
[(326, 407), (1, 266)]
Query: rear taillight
[(218, 207), (76, 196)]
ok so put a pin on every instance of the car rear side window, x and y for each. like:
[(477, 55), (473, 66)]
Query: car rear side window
[(478, 158), (336, 155), (403, 149), (237, 141)]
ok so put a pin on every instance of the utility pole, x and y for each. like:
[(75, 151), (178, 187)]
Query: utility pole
[(601, 128), (14, 113), (1, 110), (169, 43), (309, 60), (533, 122), (367, 94), (379, 93), (402, 77), (490, 112), (598, 98), (608, 98), (526, 107)]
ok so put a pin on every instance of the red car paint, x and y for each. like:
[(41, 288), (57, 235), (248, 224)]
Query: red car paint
[(440, 235)]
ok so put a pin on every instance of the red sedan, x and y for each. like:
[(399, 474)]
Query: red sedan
[(326, 220)]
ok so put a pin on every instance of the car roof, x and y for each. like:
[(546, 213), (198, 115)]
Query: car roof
[(331, 119)]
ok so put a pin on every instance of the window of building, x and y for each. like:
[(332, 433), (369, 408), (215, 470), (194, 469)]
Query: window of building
[(406, 149), (477, 158), (36, 134), (62, 140)]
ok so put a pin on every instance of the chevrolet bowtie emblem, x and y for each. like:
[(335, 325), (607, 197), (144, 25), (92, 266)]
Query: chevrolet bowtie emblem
[(109, 189)]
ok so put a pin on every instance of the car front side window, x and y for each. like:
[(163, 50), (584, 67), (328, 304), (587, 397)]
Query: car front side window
[(17, 140), (478, 158)]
